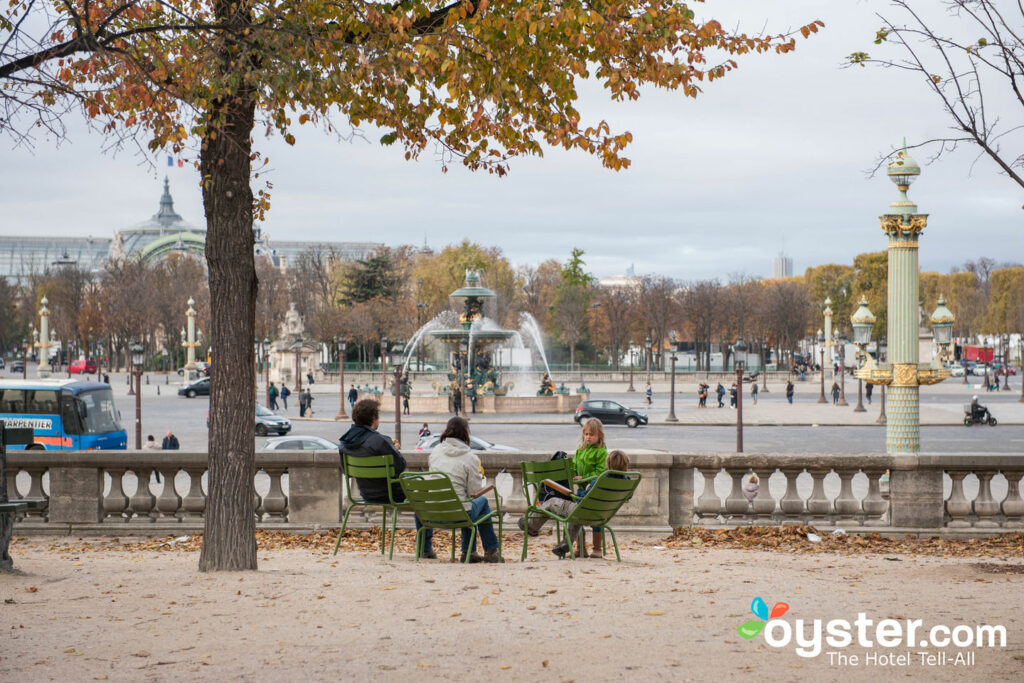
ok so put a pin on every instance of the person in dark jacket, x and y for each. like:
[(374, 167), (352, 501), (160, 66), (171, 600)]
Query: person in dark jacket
[(457, 401), (285, 393), (170, 442), (362, 440), (353, 395)]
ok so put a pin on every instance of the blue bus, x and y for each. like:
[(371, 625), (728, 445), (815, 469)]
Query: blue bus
[(64, 414)]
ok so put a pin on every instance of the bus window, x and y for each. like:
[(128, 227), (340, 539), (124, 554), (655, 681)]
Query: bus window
[(100, 412), (12, 401), (69, 415), (42, 402)]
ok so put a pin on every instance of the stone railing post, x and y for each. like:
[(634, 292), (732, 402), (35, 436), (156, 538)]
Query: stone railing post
[(314, 489), (680, 492), (915, 493), (76, 495)]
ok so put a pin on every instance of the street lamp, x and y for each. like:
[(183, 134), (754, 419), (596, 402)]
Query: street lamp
[(420, 308), (739, 350), (297, 346), (138, 356), (649, 346), (764, 366), (821, 366), (828, 331), (1006, 367), (341, 345), (863, 322), (266, 371), (672, 391), (842, 369), (24, 362), (43, 340), (383, 364), (631, 362)]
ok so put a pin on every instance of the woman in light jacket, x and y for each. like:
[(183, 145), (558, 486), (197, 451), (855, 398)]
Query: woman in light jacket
[(454, 457)]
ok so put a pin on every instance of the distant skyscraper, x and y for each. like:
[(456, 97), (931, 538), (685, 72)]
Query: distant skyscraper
[(782, 266)]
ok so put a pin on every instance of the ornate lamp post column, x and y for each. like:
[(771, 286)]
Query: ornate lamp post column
[(266, 372), (828, 333), (190, 341), (821, 354), (842, 370), (672, 390), (903, 374), (740, 347), (383, 364), (863, 321), (43, 344), (1006, 362), (764, 366), (342, 345), (24, 362), (298, 363)]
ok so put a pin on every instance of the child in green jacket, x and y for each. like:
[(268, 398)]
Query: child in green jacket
[(589, 461)]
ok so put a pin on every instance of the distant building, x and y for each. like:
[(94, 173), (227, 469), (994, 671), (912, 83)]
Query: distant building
[(782, 266), (164, 233)]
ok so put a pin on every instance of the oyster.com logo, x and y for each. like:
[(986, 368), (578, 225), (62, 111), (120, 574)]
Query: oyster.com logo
[(751, 629)]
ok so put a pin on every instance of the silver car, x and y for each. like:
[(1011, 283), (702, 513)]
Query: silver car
[(299, 442), (427, 443)]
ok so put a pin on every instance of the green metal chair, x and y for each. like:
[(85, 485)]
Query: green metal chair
[(601, 502), (534, 474), (371, 467), (432, 497)]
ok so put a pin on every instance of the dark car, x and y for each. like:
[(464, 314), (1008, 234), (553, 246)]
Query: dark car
[(201, 387), (609, 413), (17, 366)]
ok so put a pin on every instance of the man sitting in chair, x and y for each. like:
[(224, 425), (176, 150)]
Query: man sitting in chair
[(361, 440)]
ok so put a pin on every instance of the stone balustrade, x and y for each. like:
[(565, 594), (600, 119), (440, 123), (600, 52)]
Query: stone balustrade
[(97, 492)]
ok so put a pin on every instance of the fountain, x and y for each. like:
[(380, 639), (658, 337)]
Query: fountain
[(470, 343)]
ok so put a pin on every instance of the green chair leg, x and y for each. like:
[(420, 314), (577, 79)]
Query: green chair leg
[(453, 545), (383, 526), (472, 544), (618, 557), (394, 527), (526, 534), (341, 531), (419, 544)]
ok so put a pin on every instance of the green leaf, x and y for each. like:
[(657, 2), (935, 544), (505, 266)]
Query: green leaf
[(389, 138), (750, 629)]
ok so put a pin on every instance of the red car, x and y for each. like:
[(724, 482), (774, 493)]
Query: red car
[(82, 366)]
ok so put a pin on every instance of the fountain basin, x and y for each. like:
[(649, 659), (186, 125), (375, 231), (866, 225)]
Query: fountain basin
[(487, 405)]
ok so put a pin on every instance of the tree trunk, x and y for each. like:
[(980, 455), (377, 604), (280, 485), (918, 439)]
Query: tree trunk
[(229, 541)]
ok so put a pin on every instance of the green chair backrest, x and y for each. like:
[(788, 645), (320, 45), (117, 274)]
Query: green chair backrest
[(368, 467), (609, 493), (432, 497), (535, 472)]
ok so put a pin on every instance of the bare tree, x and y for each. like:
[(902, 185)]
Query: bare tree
[(613, 319), (977, 76), (701, 305), (658, 309)]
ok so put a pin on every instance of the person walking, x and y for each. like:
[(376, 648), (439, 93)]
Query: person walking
[(789, 391), (302, 404), (285, 393), (471, 395), (720, 392), (309, 403), (753, 392), (867, 391), (309, 378), (353, 395), (649, 393), (702, 395), (732, 395), (456, 401), (835, 393), (272, 393)]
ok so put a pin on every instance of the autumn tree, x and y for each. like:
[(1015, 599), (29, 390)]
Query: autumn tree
[(871, 281), (789, 313), (701, 305), (658, 310), (613, 318), (539, 286), (444, 272), (571, 305), (481, 83), (971, 60), (272, 299), (832, 281)]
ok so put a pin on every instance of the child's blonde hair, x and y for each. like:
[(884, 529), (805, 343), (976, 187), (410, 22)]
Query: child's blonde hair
[(594, 426), (617, 460)]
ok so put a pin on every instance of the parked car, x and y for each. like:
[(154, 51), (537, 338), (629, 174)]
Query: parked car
[(201, 387), (980, 370), (1, 362), (609, 413), (427, 443), (268, 421), (299, 442), (956, 370), (82, 365), (17, 366)]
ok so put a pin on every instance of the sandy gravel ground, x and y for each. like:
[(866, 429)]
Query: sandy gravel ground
[(79, 614)]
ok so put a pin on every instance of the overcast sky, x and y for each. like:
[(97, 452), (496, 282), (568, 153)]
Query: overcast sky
[(773, 157)]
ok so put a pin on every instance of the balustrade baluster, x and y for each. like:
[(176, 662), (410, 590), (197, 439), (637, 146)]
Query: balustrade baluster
[(709, 505), (764, 504), (957, 505), (1013, 504), (985, 506), (791, 505), (736, 505), (819, 507), (875, 507), (169, 501), (194, 505), (115, 503), (257, 505), (143, 501), (35, 490), (275, 503), (847, 505)]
